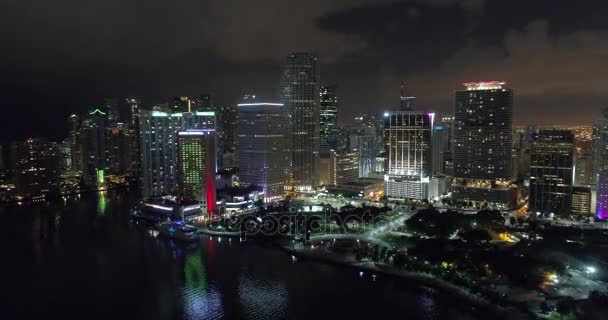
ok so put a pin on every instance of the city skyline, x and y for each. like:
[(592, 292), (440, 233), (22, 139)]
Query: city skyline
[(462, 42)]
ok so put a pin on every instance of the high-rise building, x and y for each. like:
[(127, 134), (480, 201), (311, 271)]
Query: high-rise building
[(119, 144), (329, 119), (75, 141), (37, 167), (602, 196), (442, 144), (407, 142), (227, 135), (133, 105), (483, 116), (196, 166), (263, 138), (366, 138), (584, 162), (343, 167), (95, 153), (159, 133), (600, 146), (299, 91), (551, 171)]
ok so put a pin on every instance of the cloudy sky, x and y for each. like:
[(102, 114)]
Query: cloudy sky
[(64, 56)]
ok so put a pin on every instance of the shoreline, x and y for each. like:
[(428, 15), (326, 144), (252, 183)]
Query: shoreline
[(420, 278)]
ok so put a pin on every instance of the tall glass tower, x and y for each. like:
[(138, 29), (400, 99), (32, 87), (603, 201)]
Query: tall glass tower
[(483, 124), (329, 119), (299, 91), (552, 171)]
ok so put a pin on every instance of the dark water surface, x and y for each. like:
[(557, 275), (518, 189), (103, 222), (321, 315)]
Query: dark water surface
[(84, 259)]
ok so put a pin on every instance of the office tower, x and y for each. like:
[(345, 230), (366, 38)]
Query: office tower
[(602, 196), (407, 143), (299, 91), (581, 200), (483, 116), (196, 166), (227, 135), (263, 138), (343, 168), (551, 171), (95, 153), (159, 133), (406, 101), (329, 119), (441, 144), (37, 165)]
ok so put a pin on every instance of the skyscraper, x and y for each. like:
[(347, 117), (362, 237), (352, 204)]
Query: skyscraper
[(407, 143), (602, 196), (37, 167), (227, 134), (299, 91), (442, 144), (263, 136), (483, 115), (600, 146), (159, 133), (196, 166), (552, 171), (95, 153), (329, 118)]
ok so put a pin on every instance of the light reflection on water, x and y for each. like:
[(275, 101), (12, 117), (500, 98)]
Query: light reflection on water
[(74, 260)]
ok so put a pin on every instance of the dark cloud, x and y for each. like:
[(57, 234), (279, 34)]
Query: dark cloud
[(64, 56)]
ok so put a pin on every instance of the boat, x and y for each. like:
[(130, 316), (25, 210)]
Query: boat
[(178, 230)]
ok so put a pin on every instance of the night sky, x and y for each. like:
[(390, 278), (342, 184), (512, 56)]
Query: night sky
[(65, 56)]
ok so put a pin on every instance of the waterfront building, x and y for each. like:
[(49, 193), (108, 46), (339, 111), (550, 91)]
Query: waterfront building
[(159, 134), (95, 153), (263, 138), (299, 91), (407, 142), (196, 166), (37, 167), (552, 172), (483, 116)]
